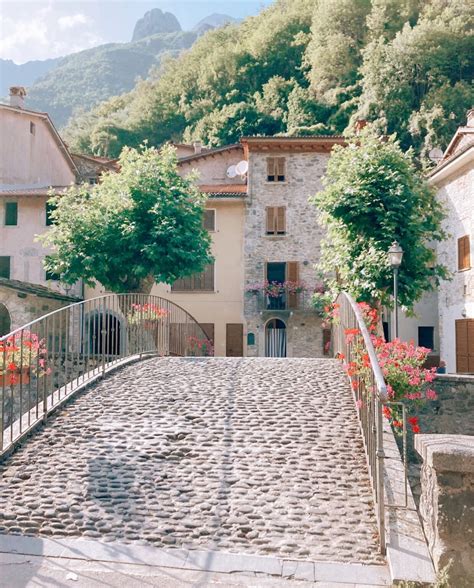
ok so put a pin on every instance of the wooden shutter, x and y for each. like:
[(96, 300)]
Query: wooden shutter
[(208, 278), (292, 276), (280, 169), (271, 169), (209, 221), (11, 213), (464, 253), (462, 360), (234, 340), (281, 220), (270, 220)]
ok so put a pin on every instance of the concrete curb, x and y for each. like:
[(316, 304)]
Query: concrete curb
[(407, 551), (205, 561)]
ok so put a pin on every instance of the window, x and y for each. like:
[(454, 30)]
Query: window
[(5, 266), (275, 169), (276, 220), (209, 221), (202, 282), (92, 181), (426, 337), (50, 207), (250, 339), (32, 128), (464, 253), (53, 276), (11, 214)]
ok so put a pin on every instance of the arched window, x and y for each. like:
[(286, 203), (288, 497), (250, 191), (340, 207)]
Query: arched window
[(5, 320)]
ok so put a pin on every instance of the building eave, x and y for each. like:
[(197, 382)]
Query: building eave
[(37, 290), (452, 165)]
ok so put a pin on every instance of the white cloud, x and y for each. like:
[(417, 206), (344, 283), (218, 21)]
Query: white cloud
[(69, 22), (44, 33)]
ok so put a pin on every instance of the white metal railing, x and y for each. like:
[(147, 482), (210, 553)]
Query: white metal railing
[(370, 398), (43, 362)]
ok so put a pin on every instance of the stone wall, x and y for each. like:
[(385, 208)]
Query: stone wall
[(447, 503), (301, 243)]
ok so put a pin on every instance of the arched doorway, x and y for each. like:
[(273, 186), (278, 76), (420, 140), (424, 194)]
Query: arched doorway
[(275, 338), (108, 342), (5, 320)]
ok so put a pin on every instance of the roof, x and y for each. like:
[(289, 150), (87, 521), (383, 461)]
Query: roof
[(45, 116), (41, 191), (457, 160), (210, 153), (458, 136), (224, 188), (321, 143), (105, 161), (36, 290)]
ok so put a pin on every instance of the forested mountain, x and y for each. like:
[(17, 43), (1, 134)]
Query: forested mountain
[(24, 74), (81, 80), (304, 67)]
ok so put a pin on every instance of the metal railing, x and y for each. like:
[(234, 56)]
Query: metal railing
[(286, 300), (370, 397), (43, 362)]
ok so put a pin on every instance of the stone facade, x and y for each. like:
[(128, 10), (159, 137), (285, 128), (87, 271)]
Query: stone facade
[(446, 504), (301, 242)]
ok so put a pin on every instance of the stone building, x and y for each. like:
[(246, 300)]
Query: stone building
[(454, 180), (282, 244)]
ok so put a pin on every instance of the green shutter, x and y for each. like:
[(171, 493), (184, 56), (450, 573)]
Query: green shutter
[(11, 214)]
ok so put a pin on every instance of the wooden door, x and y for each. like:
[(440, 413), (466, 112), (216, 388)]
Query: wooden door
[(234, 340), (465, 346)]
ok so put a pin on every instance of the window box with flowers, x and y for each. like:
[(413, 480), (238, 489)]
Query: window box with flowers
[(148, 315)]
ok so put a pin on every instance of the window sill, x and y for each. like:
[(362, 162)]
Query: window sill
[(465, 269), (276, 183), (193, 291), (276, 237)]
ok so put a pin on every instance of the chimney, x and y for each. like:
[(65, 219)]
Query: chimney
[(470, 118), (197, 147), (360, 124), (17, 96)]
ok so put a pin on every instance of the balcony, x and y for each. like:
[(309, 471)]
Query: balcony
[(283, 302)]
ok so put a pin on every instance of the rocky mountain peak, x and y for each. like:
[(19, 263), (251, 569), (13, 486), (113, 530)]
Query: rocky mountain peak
[(155, 21)]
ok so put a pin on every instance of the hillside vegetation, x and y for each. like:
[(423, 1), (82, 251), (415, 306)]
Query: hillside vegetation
[(82, 80), (304, 67)]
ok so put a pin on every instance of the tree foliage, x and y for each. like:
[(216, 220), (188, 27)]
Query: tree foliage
[(304, 67), (137, 226), (373, 196)]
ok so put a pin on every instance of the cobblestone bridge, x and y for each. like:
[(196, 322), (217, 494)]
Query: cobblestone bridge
[(260, 456)]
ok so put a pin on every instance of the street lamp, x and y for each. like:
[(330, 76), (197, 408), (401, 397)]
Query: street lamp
[(395, 255)]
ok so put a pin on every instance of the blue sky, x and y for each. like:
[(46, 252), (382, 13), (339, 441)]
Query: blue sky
[(40, 29)]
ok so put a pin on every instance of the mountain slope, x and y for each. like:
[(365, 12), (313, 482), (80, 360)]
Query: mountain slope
[(304, 67), (25, 74), (83, 79), (155, 22)]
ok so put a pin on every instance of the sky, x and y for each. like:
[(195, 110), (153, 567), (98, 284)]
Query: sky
[(41, 29)]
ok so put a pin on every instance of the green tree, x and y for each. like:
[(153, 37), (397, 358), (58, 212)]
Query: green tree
[(140, 225), (373, 196)]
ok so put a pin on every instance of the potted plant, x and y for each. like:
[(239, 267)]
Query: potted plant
[(147, 314), (22, 355)]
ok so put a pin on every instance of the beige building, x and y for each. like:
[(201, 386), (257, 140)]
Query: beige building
[(33, 161), (454, 180)]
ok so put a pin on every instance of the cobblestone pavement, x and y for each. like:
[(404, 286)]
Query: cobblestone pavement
[(248, 455)]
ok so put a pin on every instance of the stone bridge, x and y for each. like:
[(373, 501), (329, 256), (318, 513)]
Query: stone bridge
[(251, 465)]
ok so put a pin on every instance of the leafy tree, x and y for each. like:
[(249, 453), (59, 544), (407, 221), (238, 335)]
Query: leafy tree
[(140, 225), (373, 196)]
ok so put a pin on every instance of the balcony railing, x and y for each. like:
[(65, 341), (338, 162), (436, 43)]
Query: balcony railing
[(286, 300)]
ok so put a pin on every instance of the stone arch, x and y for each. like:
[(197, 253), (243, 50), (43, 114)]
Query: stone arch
[(5, 320)]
